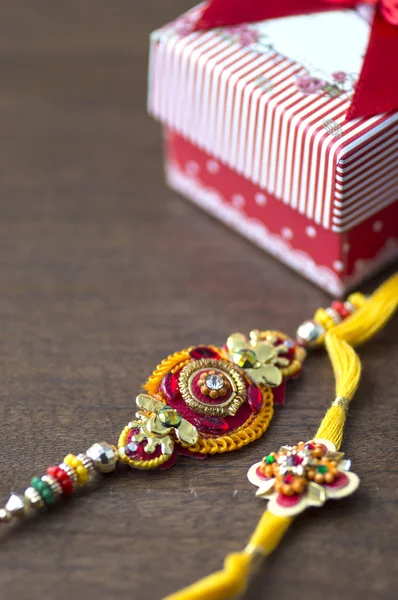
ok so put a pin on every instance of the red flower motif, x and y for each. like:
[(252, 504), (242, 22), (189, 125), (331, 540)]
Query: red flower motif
[(339, 76), (244, 34), (309, 85)]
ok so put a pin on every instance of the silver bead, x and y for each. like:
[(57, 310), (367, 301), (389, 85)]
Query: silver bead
[(334, 315), (18, 505), (34, 498), (5, 515), (104, 457), (53, 483), (350, 306), (309, 333), (71, 473)]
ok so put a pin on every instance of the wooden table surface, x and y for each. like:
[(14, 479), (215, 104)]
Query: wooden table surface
[(104, 272)]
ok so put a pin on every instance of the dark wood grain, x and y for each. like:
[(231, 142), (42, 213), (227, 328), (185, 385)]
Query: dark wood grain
[(103, 272)]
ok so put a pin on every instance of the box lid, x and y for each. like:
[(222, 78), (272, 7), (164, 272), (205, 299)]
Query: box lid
[(269, 100)]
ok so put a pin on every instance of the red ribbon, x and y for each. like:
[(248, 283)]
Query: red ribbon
[(377, 89)]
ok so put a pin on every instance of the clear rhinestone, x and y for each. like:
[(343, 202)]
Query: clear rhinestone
[(215, 382), (344, 465)]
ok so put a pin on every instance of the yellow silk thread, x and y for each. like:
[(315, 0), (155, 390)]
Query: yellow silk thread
[(238, 567), (371, 315)]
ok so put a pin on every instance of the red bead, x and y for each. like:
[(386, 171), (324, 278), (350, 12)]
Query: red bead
[(52, 471), (63, 478), (341, 309), (337, 305)]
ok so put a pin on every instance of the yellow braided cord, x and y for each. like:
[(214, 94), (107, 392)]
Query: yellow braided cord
[(346, 365), (251, 431), (238, 567), (370, 317), (347, 372)]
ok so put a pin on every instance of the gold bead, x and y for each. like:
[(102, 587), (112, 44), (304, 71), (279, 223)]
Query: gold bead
[(5, 515), (287, 490), (298, 486)]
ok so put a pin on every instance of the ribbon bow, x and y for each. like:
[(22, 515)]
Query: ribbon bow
[(377, 89)]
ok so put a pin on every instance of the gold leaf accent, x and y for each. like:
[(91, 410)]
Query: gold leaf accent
[(316, 494), (337, 456)]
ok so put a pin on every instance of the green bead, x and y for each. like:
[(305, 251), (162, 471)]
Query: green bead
[(322, 469), (38, 484), (270, 459), (48, 496), (44, 490)]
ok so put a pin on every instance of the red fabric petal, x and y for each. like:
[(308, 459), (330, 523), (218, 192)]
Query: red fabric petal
[(377, 88)]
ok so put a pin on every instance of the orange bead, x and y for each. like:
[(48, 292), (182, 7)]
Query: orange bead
[(287, 490), (329, 478), (298, 486)]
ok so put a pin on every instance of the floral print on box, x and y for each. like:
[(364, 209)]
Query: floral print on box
[(341, 83), (255, 37), (247, 35)]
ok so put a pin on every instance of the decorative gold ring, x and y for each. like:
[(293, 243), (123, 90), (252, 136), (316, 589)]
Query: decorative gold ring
[(227, 408)]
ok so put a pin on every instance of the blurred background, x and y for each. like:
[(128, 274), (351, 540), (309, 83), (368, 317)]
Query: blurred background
[(104, 271)]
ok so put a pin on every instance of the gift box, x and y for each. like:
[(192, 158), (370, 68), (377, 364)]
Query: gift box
[(257, 134)]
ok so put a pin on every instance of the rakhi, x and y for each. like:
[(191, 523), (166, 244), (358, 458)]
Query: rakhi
[(208, 400)]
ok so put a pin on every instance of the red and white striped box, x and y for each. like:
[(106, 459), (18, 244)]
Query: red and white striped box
[(255, 134)]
